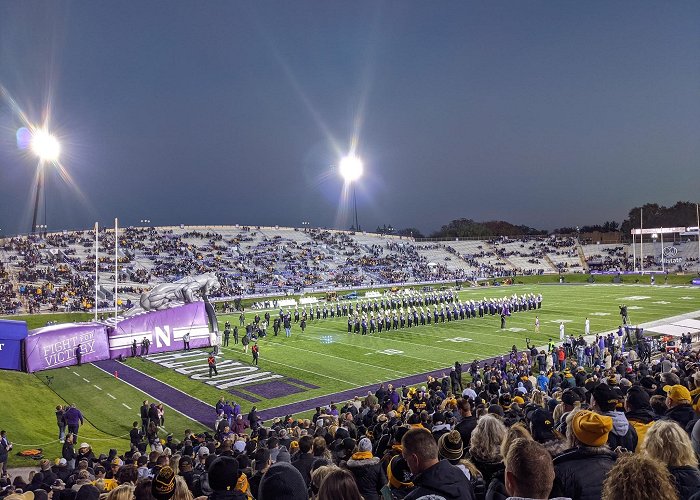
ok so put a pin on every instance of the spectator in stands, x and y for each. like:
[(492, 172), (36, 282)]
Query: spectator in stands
[(669, 445), (339, 484), (678, 402), (529, 471), (622, 434), (637, 477), (366, 470), (639, 412), (580, 471), (223, 477), (485, 449), (431, 475), (304, 459), (282, 481)]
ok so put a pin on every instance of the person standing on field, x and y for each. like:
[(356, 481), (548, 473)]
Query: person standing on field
[(256, 352), (587, 328)]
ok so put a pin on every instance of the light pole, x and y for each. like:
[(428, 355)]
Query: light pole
[(46, 147), (305, 225), (351, 169), (146, 222)]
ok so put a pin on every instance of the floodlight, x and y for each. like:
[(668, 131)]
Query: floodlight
[(45, 146), (351, 168)]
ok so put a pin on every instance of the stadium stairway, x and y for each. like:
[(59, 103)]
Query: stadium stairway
[(581, 256), (551, 263)]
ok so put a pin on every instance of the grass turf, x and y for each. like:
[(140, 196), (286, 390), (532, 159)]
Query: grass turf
[(326, 356)]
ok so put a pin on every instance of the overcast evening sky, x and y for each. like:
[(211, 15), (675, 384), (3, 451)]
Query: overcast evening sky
[(545, 113)]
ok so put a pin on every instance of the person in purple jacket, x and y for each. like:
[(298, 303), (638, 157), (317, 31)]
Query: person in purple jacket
[(74, 419)]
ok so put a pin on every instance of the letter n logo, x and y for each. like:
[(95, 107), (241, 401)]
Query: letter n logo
[(162, 336)]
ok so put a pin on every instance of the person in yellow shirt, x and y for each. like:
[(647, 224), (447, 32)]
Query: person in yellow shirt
[(639, 413)]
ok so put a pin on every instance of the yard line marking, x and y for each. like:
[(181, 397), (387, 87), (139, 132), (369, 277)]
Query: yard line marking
[(76, 373), (151, 397), (345, 382), (96, 387), (86, 380), (108, 394), (126, 406), (346, 359)]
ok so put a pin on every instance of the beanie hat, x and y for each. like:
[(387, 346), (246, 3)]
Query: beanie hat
[(542, 425), (87, 492), (591, 428), (364, 445), (519, 400), (678, 393), (282, 481), (163, 486), (605, 397), (569, 397), (638, 398), (283, 455), (398, 473), (223, 474), (450, 445)]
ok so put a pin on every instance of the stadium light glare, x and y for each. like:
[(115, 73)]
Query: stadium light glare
[(351, 168), (45, 146)]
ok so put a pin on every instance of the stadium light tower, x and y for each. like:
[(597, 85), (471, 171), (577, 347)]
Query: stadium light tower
[(351, 168), (47, 148)]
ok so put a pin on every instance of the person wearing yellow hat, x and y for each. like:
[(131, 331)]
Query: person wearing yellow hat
[(580, 471), (678, 402)]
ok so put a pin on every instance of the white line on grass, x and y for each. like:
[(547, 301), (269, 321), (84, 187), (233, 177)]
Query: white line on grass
[(314, 339), (76, 373), (308, 371), (96, 387), (86, 380), (126, 406), (151, 397), (344, 359), (108, 394)]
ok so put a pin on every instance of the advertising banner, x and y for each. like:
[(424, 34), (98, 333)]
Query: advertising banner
[(56, 346), (162, 330), (12, 333)]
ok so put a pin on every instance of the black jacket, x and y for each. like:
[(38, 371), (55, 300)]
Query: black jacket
[(443, 479), (579, 472), (228, 495), (465, 428), (687, 481), (369, 476), (681, 414), (303, 464)]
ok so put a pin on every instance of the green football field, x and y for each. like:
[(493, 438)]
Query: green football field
[(333, 360), (328, 358)]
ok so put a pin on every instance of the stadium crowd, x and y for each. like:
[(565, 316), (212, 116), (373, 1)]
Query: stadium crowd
[(55, 272), (611, 427)]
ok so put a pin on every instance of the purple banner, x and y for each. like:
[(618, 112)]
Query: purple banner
[(56, 346), (12, 334), (164, 330)]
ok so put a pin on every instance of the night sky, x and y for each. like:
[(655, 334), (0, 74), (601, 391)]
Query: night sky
[(544, 113)]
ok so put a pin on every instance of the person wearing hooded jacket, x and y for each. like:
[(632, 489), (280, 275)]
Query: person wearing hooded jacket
[(639, 412), (580, 471), (367, 470), (604, 401), (432, 476)]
